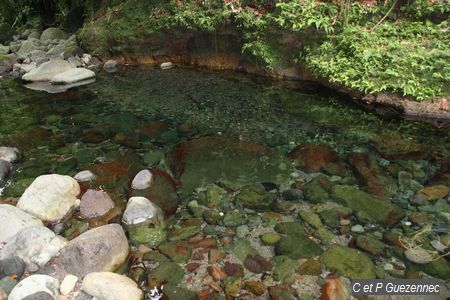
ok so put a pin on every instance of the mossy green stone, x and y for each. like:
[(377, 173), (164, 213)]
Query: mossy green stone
[(234, 219), (184, 233), (270, 238), (437, 268), (178, 293), (151, 237), (285, 268), (348, 262), (167, 271), (255, 197), (381, 211), (213, 196), (297, 246), (290, 228), (315, 191), (310, 218), (242, 248)]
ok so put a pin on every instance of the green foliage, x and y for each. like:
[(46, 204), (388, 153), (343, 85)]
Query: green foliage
[(406, 57)]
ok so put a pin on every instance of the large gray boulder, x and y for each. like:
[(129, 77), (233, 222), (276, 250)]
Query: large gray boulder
[(100, 249), (35, 245), (50, 197), (28, 46), (14, 220), (48, 70), (53, 33)]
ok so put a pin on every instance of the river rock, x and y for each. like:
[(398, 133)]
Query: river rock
[(162, 192), (12, 265), (35, 284), (28, 46), (38, 56), (297, 246), (312, 157), (110, 64), (48, 70), (5, 169), (53, 33), (111, 286), (237, 163), (35, 245), (431, 193), (255, 197), (141, 210), (95, 204), (72, 76), (50, 197), (13, 221), (348, 262), (68, 284), (392, 145), (103, 248), (142, 180), (84, 176), (4, 49), (9, 154), (381, 211), (166, 65)]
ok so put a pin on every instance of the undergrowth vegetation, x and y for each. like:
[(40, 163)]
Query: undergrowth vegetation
[(399, 46)]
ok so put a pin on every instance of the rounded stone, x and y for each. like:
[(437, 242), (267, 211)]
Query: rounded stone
[(111, 286), (142, 180), (84, 176), (95, 203), (140, 210), (270, 238), (35, 284)]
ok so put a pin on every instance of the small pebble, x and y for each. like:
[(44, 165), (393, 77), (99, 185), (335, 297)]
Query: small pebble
[(358, 228), (166, 65), (84, 176), (68, 284), (345, 222), (388, 267)]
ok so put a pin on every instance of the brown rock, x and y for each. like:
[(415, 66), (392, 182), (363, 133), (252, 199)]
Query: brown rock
[(191, 267), (217, 273), (334, 289), (434, 192), (233, 269), (257, 264), (215, 256), (312, 157), (310, 267), (95, 203), (208, 243), (257, 288)]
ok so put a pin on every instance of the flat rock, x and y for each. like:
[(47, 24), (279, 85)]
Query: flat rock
[(48, 70), (35, 284), (50, 197), (35, 245), (141, 210), (72, 76), (100, 249), (13, 221), (111, 286), (95, 203), (9, 154)]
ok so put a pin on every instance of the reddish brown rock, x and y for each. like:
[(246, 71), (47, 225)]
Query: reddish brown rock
[(257, 288), (95, 204), (374, 179), (217, 273), (162, 192), (191, 267), (152, 129), (207, 243), (312, 157), (233, 269), (334, 289)]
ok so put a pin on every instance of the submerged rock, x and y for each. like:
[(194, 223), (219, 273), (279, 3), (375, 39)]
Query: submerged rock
[(110, 64), (297, 246), (235, 163), (84, 176), (35, 284), (381, 211), (255, 197), (311, 158), (348, 262), (48, 70), (140, 210), (72, 75), (110, 286), (100, 249), (392, 145), (166, 65), (50, 197)]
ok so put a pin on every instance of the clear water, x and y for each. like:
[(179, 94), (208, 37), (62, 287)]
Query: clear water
[(279, 115)]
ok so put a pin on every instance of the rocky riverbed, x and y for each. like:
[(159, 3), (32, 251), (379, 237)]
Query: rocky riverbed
[(182, 184)]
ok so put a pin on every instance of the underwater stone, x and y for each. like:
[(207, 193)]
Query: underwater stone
[(84, 176), (255, 197), (95, 204), (140, 210), (110, 64), (166, 65)]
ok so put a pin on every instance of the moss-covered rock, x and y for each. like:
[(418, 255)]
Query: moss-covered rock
[(297, 246), (142, 235), (348, 262), (255, 197), (316, 190), (167, 272), (380, 211), (285, 268), (290, 228)]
